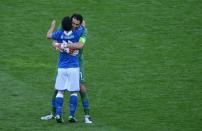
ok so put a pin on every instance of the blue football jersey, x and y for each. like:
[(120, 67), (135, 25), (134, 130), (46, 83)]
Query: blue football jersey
[(68, 60)]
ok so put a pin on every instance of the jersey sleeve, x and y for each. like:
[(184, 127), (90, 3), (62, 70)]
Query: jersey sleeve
[(84, 36), (56, 35)]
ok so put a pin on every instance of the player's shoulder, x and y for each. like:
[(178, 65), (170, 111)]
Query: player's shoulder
[(79, 31), (57, 34), (82, 28)]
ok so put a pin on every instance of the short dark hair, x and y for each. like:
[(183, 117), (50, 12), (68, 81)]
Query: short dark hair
[(79, 17), (66, 23)]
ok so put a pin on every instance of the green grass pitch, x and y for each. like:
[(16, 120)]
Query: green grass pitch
[(143, 62)]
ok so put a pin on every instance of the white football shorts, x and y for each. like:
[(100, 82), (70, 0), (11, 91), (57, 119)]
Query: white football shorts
[(67, 79)]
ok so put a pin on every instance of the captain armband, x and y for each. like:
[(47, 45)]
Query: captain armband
[(82, 40)]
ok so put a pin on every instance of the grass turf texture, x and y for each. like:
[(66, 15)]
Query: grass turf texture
[(143, 63)]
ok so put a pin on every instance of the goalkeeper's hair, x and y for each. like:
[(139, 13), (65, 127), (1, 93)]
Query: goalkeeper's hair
[(78, 17), (66, 23)]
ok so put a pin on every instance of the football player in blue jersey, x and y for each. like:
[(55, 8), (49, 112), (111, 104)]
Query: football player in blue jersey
[(68, 68), (76, 27)]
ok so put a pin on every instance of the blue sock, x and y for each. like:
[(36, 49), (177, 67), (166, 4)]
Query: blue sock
[(58, 104), (72, 104)]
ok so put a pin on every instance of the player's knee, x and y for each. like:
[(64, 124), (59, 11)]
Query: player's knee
[(73, 94), (60, 94), (82, 88)]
